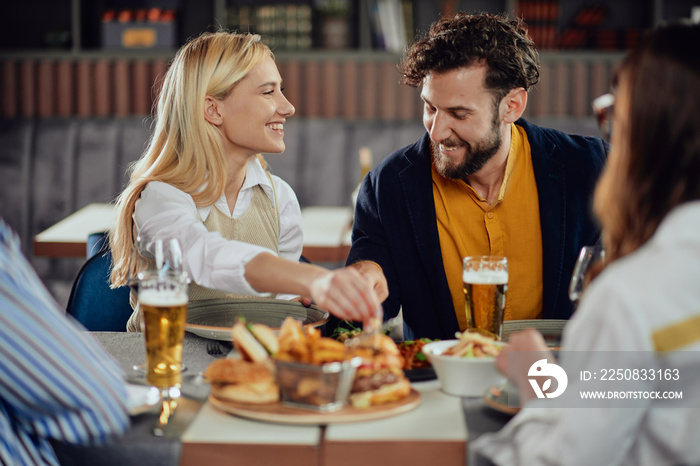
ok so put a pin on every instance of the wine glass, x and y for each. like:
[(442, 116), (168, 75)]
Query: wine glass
[(588, 256)]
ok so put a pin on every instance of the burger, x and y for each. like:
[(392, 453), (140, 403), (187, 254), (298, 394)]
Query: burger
[(242, 381), (380, 378)]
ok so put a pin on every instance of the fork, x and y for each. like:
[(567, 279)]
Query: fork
[(214, 348)]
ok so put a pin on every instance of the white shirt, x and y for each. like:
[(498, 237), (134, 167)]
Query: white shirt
[(655, 287), (164, 211)]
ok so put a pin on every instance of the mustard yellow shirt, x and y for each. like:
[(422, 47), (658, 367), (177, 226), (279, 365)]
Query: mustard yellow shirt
[(469, 226)]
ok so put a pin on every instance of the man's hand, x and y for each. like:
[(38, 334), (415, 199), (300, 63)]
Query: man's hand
[(374, 274)]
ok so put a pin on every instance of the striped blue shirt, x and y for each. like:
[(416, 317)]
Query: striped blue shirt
[(56, 382)]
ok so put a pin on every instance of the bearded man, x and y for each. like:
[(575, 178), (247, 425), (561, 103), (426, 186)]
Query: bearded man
[(481, 181)]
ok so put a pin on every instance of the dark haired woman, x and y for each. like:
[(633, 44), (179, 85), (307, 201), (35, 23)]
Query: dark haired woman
[(635, 337)]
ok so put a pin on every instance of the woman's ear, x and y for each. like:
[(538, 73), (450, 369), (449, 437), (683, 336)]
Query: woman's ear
[(513, 105), (212, 112)]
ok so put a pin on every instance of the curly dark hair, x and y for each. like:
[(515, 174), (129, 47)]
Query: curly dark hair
[(464, 40)]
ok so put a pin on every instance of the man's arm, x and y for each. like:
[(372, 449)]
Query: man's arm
[(56, 380), (370, 252)]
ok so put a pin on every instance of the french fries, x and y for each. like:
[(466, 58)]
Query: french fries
[(308, 347), (305, 382), (474, 345)]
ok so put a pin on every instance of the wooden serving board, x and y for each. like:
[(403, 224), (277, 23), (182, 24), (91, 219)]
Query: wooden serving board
[(497, 398), (280, 413)]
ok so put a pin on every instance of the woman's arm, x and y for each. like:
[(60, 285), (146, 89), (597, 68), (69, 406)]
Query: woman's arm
[(344, 292)]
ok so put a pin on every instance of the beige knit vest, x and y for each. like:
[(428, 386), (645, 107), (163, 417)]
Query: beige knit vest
[(260, 225)]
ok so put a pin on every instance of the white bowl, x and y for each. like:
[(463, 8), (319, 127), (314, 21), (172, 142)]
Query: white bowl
[(462, 376)]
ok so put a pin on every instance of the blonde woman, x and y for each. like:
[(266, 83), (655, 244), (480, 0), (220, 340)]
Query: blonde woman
[(202, 180)]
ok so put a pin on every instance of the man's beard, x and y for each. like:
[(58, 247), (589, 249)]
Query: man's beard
[(475, 158)]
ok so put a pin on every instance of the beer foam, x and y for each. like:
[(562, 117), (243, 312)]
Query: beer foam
[(485, 277), (153, 297)]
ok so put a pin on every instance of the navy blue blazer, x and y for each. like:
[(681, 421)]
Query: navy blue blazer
[(395, 226)]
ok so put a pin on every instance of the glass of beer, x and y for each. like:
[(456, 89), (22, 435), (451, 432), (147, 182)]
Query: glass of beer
[(163, 300), (485, 280)]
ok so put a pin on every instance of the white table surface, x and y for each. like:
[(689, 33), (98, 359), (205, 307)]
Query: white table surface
[(214, 426), (438, 417), (93, 218)]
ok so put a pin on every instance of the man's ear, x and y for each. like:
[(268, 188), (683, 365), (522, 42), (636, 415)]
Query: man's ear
[(513, 105), (212, 110)]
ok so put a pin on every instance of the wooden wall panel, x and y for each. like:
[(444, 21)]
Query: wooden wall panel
[(540, 96), (389, 91), (349, 89), (121, 73), (562, 89), (330, 77), (103, 90), (310, 105), (83, 88), (9, 89), (65, 84), (141, 95), (600, 79), (46, 89), (28, 94), (580, 90), (345, 87), (368, 90)]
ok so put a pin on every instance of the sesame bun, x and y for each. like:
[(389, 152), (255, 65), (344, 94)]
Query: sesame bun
[(242, 381), (247, 393), (385, 394), (380, 378)]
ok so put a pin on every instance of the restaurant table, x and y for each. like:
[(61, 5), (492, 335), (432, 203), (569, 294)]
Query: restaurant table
[(326, 232), (435, 432)]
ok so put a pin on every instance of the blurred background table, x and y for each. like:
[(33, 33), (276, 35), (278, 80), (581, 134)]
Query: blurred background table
[(326, 233), (69, 237)]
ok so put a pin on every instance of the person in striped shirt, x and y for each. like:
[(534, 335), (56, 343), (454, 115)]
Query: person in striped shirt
[(56, 382)]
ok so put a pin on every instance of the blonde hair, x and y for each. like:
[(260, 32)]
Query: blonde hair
[(184, 151)]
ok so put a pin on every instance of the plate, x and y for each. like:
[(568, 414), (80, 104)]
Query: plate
[(213, 319), (283, 414), (496, 397), (551, 329), (419, 375), (140, 398)]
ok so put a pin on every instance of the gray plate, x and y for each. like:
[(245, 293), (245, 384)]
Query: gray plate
[(551, 329), (214, 318)]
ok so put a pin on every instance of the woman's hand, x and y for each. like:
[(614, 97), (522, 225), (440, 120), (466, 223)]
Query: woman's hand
[(531, 342), (373, 272), (305, 300), (346, 293)]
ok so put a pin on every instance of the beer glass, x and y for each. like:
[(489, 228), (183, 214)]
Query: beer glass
[(485, 280), (588, 256), (167, 256), (162, 296)]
